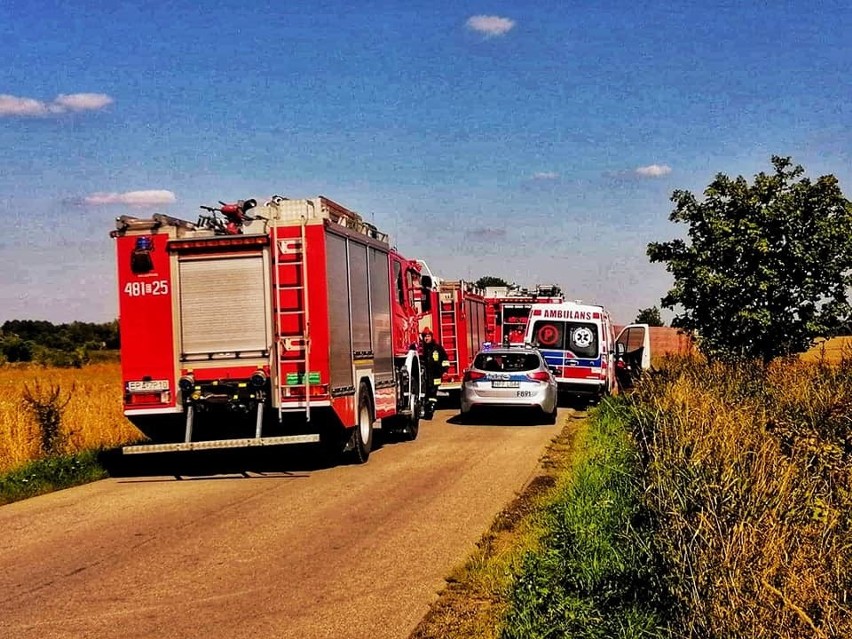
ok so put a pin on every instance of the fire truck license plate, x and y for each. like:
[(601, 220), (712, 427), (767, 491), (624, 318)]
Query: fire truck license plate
[(496, 384), (146, 387)]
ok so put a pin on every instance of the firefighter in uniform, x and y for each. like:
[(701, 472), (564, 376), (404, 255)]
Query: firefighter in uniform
[(435, 364)]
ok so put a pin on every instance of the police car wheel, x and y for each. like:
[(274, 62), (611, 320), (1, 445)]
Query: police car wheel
[(550, 418)]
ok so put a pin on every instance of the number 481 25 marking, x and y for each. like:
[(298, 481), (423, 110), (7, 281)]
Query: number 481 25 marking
[(138, 289)]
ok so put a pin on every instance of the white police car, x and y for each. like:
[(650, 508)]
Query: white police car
[(505, 377)]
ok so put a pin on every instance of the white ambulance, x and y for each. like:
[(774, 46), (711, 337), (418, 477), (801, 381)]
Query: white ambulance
[(578, 342)]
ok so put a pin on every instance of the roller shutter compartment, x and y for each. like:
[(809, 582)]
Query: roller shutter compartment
[(223, 306)]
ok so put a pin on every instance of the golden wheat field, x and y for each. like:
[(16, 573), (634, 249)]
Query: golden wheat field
[(832, 350), (92, 418)]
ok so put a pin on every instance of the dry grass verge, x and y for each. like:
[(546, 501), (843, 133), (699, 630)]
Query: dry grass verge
[(747, 479)]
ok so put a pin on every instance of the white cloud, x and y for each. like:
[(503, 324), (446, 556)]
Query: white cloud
[(545, 175), (83, 101), (131, 198), (12, 105), (654, 170), (490, 25)]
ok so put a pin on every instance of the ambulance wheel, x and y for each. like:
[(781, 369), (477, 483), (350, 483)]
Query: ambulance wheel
[(362, 437)]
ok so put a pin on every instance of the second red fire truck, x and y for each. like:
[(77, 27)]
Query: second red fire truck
[(458, 320)]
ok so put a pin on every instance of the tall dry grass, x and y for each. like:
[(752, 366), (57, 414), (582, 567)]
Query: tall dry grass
[(748, 483), (92, 419)]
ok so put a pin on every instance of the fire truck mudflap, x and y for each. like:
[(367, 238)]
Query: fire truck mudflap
[(294, 323)]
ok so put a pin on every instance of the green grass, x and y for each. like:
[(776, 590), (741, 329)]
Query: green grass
[(477, 594), (593, 575), (50, 474)]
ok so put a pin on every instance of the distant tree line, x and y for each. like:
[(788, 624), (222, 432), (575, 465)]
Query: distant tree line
[(55, 344), (490, 280), (650, 316)]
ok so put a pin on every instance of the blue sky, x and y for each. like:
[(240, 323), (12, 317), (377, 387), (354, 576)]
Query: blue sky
[(538, 142)]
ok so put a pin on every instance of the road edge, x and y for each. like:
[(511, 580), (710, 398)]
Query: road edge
[(475, 597)]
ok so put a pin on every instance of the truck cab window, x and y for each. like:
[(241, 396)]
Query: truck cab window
[(411, 284), (397, 278)]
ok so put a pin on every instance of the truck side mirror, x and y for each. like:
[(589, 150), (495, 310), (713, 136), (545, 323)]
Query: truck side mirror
[(426, 282), (426, 299), (620, 349)]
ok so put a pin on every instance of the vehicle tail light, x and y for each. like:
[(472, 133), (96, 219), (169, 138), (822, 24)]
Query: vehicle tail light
[(472, 376), (539, 376), (317, 390), (132, 399)]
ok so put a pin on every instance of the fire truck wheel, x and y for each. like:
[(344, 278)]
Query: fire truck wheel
[(411, 427), (362, 438)]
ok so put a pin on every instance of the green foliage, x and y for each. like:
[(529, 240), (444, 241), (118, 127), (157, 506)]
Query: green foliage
[(53, 473), (766, 267), (490, 280), (14, 349), (55, 345), (593, 575), (649, 316), (47, 406)]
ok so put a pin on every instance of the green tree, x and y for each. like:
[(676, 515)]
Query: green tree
[(649, 316), (15, 349), (490, 280), (766, 266)]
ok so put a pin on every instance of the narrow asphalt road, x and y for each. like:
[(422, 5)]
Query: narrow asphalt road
[(281, 548)]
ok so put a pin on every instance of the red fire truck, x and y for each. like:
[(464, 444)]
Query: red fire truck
[(289, 322), (458, 321), (508, 310)]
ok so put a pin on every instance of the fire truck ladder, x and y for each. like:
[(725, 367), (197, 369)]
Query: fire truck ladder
[(449, 328), (294, 247)]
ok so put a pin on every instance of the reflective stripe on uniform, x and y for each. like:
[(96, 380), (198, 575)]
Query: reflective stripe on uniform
[(445, 363), (436, 381)]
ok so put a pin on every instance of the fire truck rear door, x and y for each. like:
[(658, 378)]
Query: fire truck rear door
[(223, 305)]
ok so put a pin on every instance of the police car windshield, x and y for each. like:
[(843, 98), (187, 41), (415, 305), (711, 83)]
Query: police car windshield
[(579, 338), (507, 362)]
